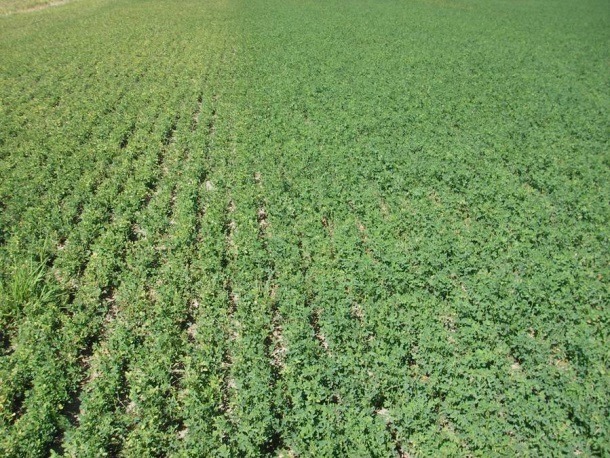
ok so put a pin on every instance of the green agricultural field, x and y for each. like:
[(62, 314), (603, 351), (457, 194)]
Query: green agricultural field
[(305, 228)]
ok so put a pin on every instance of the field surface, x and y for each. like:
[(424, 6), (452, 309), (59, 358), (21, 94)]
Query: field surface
[(8, 7), (305, 228)]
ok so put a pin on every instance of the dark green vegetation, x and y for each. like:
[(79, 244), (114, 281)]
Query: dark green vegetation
[(305, 228)]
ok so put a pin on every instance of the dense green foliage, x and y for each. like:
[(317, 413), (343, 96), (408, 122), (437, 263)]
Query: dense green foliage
[(305, 228)]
